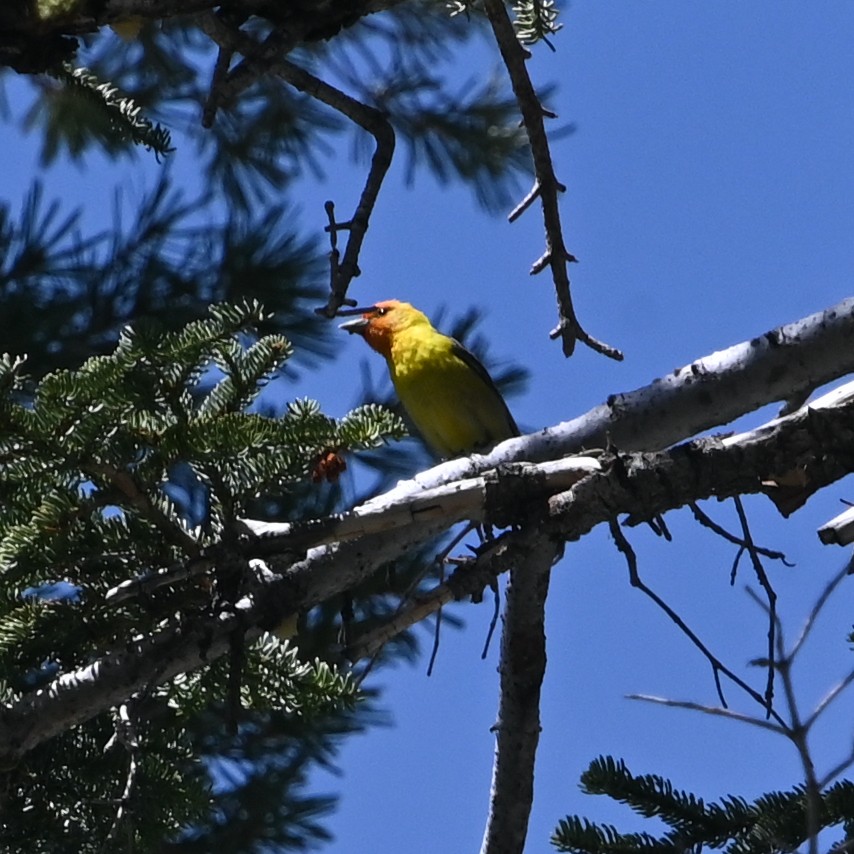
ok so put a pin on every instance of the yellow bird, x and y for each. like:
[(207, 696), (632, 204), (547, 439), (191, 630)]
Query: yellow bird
[(445, 390)]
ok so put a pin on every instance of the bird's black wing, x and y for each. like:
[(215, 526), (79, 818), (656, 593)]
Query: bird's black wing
[(475, 364)]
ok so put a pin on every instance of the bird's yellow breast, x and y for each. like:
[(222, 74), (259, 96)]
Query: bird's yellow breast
[(455, 409)]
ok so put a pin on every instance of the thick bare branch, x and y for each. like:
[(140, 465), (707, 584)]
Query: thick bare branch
[(186, 645), (708, 393), (839, 530), (818, 440), (522, 668), (638, 484)]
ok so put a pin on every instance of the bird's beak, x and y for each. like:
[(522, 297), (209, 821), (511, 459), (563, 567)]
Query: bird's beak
[(358, 324)]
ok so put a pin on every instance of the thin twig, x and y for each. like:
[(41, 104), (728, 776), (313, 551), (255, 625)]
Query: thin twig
[(220, 72), (718, 667), (264, 58), (438, 628), (125, 734), (547, 186), (494, 621), (762, 723), (236, 667), (819, 605), (371, 643), (376, 124), (798, 733), (436, 636), (733, 573), (769, 592), (146, 584), (828, 698), (837, 769), (334, 254), (469, 579), (529, 199), (138, 499), (707, 522), (231, 39), (659, 527)]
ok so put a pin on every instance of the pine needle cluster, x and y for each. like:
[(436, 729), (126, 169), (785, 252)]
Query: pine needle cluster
[(115, 120), (536, 20)]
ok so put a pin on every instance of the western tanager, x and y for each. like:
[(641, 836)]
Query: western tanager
[(444, 389)]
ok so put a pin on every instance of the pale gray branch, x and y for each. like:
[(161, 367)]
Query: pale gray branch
[(819, 442), (708, 393)]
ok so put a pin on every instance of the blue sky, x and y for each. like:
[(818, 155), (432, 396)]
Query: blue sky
[(710, 198)]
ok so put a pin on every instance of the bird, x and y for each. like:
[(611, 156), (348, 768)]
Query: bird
[(446, 392)]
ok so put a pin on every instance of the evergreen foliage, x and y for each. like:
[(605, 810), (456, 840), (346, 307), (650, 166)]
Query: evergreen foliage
[(167, 261), (536, 20), (145, 454), (774, 822), (86, 110), (83, 466), (83, 469)]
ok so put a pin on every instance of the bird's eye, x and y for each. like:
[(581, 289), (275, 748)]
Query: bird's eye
[(381, 312)]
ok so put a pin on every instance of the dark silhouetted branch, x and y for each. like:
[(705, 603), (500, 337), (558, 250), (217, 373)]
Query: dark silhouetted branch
[(547, 187)]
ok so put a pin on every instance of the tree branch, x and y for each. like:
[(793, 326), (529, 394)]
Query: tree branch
[(521, 670), (819, 439), (268, 58), (547, 186), (707, 522), (642, 484), (771, 594), (135, 497), (708, 393), (376, 124), (23, 36), (718, 667), (718, 711)]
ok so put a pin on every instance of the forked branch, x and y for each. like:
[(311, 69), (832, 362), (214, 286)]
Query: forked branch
[(267, 58), (546, 187)]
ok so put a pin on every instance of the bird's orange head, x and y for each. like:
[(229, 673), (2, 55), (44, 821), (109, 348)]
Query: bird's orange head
[(381, 322)]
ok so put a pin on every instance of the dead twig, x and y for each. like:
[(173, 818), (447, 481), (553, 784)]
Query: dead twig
[(414, 608), (718, 667), (707, 522), (125, 734), (546, 188), (494, 621), (762, 577), (266, 58), (376, 124)]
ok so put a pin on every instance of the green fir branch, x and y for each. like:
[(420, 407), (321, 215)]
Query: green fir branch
[(115, 119), (86, 465), (774, 823)]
